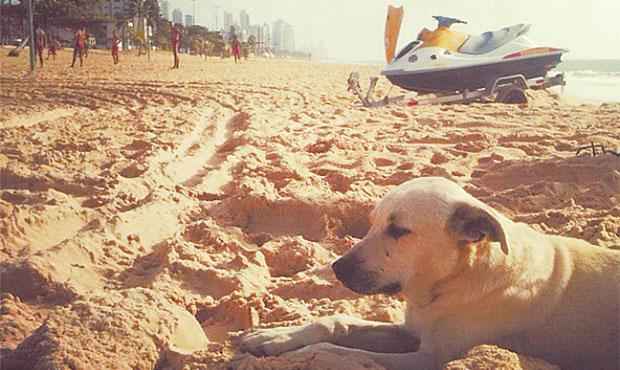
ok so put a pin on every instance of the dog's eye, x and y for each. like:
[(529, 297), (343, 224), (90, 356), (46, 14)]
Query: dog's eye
[(397, 232)]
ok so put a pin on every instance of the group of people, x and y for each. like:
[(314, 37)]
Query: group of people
[(42, 41), (175, 45), (80, 45)]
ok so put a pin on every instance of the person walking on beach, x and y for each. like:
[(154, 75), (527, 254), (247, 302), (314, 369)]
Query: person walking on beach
[(175, 44), (41, 42), (205, 49), (79, 43), (52, 46), (115, 46), (86, 43), (236, 49)]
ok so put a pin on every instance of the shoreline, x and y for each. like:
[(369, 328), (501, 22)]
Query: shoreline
[(567, 98)]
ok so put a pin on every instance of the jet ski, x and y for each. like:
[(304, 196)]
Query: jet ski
[(445, 60)]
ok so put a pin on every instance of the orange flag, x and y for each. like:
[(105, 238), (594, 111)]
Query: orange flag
[(392, 29)]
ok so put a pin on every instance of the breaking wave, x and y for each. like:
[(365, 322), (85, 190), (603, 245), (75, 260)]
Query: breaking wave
[(606, 78)]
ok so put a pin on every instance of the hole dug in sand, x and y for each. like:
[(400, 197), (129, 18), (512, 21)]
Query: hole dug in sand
[(27, 281), (287, 218), (288, 256), (262, 219), (278, 218)]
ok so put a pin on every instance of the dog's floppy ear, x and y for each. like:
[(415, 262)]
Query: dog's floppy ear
[(470, 224)]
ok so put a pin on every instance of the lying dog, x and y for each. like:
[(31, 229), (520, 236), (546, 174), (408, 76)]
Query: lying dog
[(470, 276)]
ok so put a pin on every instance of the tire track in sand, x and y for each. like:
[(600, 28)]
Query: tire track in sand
[(86, 261)]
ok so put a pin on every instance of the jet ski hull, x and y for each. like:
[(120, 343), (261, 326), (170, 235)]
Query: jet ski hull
[(472, 77)]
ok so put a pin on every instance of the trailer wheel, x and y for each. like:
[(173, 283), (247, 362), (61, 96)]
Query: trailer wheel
[(511, 95)]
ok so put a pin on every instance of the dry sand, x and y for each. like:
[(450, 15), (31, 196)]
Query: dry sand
[(146, 214)]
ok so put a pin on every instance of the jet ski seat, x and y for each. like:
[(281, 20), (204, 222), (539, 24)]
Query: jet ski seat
[(489, 41)]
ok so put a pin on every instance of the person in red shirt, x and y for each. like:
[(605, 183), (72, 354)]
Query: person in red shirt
[(175, 44), (79, 44), (236, 49), (115, 47)]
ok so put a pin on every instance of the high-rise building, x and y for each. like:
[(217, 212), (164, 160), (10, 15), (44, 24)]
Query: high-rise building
[(288, 38), (189, 20), (164, 8), (266, 39), (283, 37), (214, 11), (244, 20), (228, 21), (276, 35), (177, 16), (114, 8)]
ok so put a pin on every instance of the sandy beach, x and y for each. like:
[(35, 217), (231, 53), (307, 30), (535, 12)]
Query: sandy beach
[(147, 215)]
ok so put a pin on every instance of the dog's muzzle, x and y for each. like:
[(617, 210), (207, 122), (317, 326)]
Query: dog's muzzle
[(349, 271)]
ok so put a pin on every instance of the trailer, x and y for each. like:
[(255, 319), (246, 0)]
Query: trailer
[(507, 89)]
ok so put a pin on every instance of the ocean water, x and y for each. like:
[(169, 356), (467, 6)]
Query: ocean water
[(592, 80)]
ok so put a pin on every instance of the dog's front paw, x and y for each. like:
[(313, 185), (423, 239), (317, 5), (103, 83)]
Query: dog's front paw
[(271, 342)]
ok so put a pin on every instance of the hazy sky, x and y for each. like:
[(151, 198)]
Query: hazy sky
[(352, 30)]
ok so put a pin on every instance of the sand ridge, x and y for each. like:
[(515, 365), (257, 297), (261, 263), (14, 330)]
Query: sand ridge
[(136, 200)]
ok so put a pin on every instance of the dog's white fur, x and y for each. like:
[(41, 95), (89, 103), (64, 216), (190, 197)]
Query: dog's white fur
[(470, 276)]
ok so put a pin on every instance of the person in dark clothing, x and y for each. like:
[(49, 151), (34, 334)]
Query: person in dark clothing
[(175, 44), (115, 47)]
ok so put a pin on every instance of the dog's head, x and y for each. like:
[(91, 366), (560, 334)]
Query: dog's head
[(424, 230)]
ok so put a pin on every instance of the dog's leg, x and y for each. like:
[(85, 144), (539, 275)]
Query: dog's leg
[(391, 361), (339, 329)]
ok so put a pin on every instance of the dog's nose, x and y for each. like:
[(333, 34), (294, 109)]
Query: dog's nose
[(344, 267)]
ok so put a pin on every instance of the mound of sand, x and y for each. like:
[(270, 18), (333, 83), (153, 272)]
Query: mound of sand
[(491, 358), (128, 330)]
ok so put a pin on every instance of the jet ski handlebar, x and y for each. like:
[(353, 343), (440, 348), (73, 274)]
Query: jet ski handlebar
[(447, 21)]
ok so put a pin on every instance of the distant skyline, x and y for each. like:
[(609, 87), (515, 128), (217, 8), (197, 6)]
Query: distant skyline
[(352, 30)]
